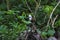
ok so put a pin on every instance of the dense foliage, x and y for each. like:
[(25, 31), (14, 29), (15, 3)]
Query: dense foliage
[(14, 17)]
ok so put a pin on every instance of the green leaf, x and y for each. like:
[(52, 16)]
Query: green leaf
[(44, 34), (57, 24), (48, 9), (21, 17), (10, 12), (50, 32), (26, 22)]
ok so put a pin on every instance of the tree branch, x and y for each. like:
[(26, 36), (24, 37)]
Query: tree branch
[(54, 21), (52, 13), (29, 7), (37, 6)]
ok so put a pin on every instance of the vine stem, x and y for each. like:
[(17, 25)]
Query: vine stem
[(52, 13)]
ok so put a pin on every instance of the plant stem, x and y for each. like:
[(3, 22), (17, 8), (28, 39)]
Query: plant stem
[(7, 2)]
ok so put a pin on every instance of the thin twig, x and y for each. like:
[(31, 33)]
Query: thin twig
[(29, 7), (53, 12), (54, 21), (37, 6)]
